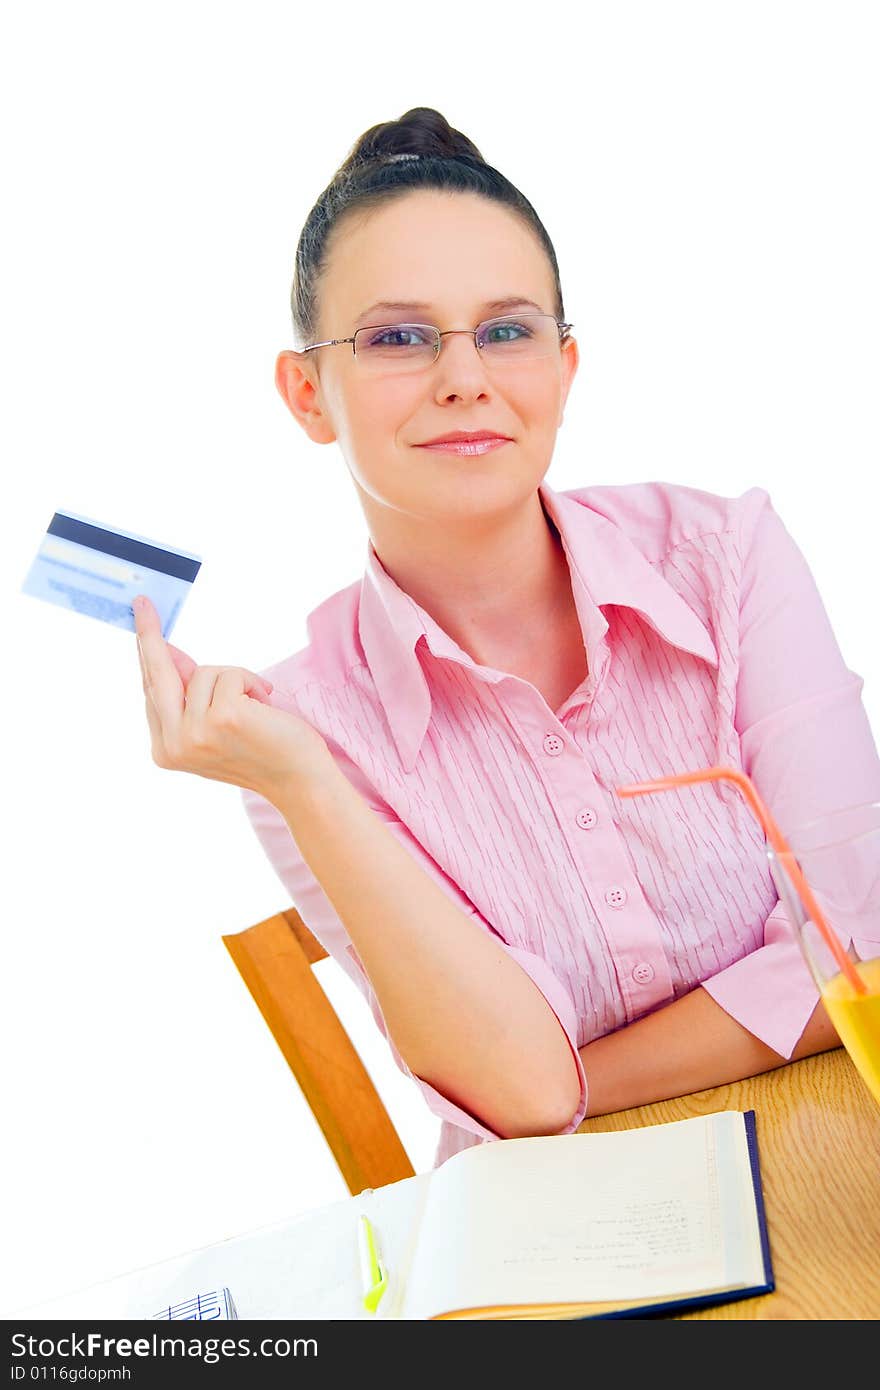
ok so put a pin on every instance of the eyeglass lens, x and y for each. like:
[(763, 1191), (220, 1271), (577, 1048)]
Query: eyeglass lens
[(409, 346)]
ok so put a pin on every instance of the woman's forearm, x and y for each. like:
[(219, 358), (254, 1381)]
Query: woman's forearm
[(465, 1017), (687, 1046)]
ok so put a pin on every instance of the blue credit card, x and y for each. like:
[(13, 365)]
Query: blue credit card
[(97, 570)]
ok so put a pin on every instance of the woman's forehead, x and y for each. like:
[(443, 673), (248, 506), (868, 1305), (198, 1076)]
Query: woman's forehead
[(435, 250)]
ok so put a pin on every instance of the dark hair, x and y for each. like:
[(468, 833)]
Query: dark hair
[(420, 150)]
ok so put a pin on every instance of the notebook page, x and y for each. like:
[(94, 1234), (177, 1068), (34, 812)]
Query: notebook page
[(643, 1214), (396, 1212), (303, 1267)]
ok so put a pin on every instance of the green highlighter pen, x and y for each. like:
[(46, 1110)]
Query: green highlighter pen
[(374, 1277)]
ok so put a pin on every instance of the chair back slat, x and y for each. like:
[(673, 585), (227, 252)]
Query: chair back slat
[(312, 948), (274, 958)]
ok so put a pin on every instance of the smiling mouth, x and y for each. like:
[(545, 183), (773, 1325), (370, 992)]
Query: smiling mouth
[(466, 447)]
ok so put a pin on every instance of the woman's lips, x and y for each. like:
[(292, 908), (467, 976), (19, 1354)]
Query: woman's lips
[(466, 447)]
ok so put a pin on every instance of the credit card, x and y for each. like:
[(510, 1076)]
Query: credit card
[(97, 570)]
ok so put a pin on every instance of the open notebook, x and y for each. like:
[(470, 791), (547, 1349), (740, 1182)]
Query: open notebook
[(567, 1226)]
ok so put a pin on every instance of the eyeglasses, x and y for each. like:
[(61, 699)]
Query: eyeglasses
[(411, 347)]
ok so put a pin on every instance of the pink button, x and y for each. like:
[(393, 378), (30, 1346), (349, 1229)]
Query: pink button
[(616, 897), (553, 745), (586, 818), (643, 973)]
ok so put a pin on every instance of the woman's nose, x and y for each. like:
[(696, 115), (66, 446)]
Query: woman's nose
[(460, 368)]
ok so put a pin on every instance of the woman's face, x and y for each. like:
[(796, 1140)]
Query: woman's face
[(453, 254)]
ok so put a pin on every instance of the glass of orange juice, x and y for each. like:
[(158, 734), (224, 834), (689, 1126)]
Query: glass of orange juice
[(839, 857)]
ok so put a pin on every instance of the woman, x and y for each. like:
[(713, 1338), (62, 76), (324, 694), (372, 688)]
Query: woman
[(433, 777)]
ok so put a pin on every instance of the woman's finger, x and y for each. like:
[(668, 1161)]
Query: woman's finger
[(157, 742), (256, 686), (200, 692), (161, 678), (237, 680), (207, 682), (185, 664)]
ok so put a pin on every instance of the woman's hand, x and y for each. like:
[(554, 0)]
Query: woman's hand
[(218, 721)]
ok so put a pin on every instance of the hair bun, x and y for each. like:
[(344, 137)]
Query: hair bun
[(420, 132), (420, 150)]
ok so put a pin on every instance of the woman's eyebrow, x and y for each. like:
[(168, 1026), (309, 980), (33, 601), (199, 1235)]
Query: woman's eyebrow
[(383, 306)]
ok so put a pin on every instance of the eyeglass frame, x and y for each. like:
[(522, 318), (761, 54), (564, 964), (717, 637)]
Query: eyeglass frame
[(561, 325)]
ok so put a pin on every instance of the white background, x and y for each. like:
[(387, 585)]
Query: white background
[(708, 174)]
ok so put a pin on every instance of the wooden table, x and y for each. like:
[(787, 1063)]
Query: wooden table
[(818, 1132)]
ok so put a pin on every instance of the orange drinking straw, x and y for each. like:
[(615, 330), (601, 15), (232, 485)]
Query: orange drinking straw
[(777, 840)]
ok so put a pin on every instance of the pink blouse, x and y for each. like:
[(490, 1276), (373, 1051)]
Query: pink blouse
[(707, 642)]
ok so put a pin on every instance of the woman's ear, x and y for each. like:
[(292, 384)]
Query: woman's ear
[(570, 361), (296, 380)]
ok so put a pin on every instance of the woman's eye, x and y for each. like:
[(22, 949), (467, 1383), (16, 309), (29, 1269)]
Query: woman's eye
[(507, 332), (398, 337)]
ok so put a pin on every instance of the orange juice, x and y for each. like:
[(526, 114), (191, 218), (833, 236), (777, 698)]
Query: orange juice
[(857, 1019)]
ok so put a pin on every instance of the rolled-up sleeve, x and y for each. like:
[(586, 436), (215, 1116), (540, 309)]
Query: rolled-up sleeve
[(320, 917), (806, 743)]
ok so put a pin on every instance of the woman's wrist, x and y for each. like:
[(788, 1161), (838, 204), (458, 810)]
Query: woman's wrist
[(297, 790)]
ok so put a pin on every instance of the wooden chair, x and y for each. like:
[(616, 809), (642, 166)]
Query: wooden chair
[(275, 959)]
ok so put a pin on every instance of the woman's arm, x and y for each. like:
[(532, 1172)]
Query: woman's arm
[(686, 1046), (805, 741), (467, 1018), (463, 1014)]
